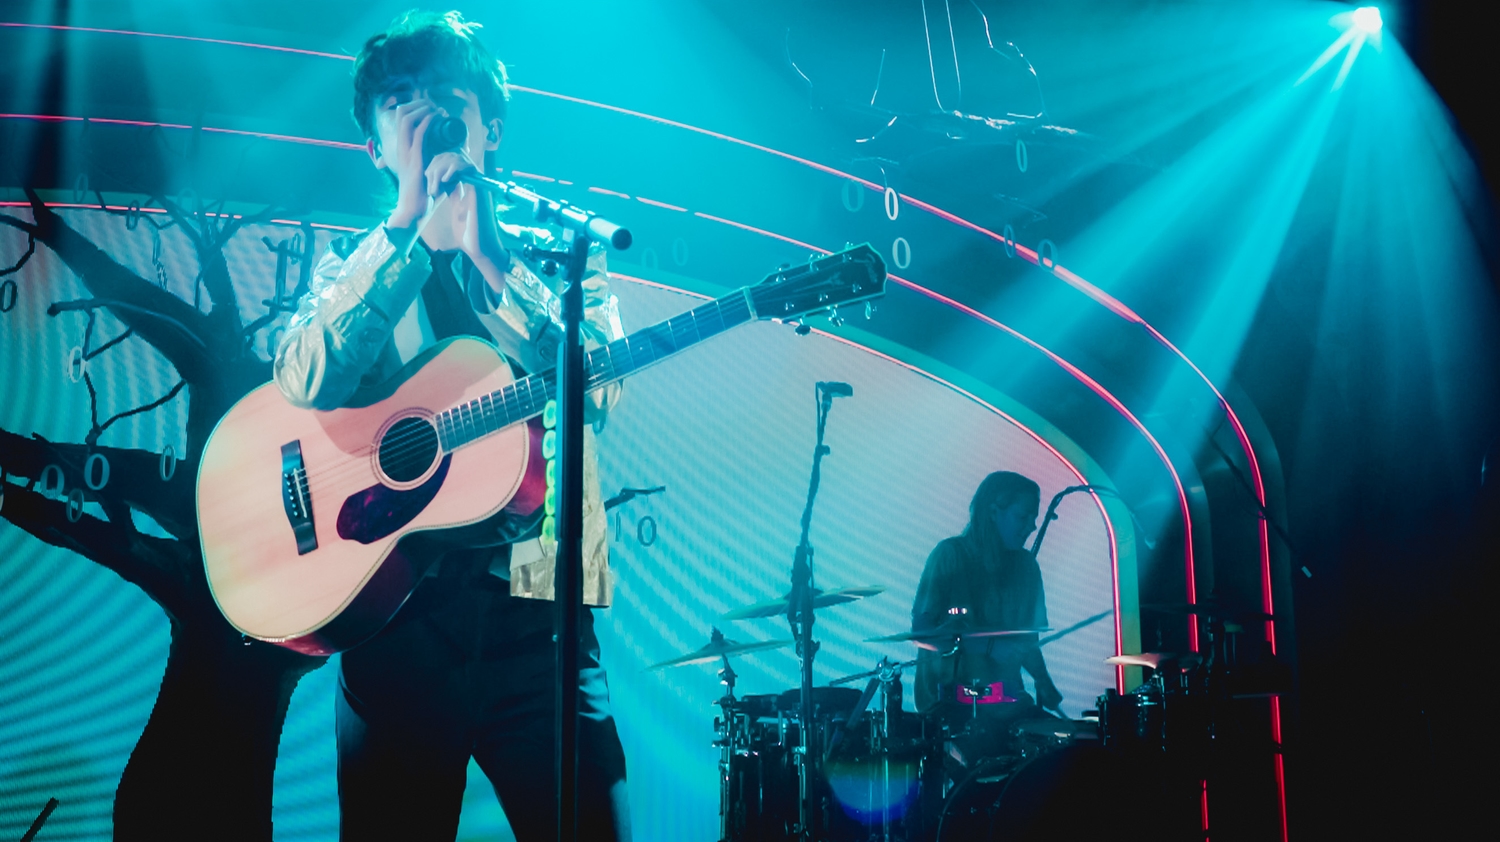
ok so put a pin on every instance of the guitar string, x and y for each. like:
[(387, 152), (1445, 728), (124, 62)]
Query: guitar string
[(472, 428), (481, 422), (481, 418), (471, 420)]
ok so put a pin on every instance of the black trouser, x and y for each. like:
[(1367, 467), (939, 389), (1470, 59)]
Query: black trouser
[(465, 669)]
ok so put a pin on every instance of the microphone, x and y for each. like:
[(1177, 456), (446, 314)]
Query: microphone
[(835, 389), (448, 133), (445, 134)]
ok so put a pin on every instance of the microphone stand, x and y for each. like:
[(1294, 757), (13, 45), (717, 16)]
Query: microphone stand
[(579, 230), (800, 616)]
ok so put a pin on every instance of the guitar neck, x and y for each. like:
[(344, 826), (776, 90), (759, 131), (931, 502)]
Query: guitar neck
[(527, 397)]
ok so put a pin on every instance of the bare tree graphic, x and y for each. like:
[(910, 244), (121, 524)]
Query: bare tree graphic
[(204, 766)]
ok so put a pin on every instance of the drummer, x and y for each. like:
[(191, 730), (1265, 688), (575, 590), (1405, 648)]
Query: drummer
[(985, 579)]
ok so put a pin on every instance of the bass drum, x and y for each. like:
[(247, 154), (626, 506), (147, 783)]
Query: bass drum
[(1081, 791)]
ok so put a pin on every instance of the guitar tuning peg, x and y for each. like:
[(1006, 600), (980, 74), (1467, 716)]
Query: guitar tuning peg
[(869, 309), (834, 318)]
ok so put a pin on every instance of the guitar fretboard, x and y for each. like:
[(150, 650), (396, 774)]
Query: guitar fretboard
[(528, 396)]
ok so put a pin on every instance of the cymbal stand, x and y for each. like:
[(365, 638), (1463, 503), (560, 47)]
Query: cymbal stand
[(800, 617), (883, 734), (730, 740)]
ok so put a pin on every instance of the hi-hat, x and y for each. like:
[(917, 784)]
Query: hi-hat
[(717, 648), (821, 599)]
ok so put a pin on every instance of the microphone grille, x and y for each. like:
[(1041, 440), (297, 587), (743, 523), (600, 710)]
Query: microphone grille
[(446, 133)]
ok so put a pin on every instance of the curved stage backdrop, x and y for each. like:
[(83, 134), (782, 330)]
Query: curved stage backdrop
[(727, 428)]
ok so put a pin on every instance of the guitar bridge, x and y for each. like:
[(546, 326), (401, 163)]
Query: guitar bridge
[(296, 499)]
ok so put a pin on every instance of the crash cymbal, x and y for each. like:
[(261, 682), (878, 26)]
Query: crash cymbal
[(1154, 660), (823, 599), (717, 648)]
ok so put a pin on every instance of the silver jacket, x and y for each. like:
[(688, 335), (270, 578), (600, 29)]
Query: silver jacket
[(342, 337)]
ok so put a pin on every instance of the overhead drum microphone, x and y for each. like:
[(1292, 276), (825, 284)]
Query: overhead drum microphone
[(835, 389)]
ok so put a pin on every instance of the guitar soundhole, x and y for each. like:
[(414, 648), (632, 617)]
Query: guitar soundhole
[(409, 448)]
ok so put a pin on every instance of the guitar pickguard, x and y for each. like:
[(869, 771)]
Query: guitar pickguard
[(378, 511)]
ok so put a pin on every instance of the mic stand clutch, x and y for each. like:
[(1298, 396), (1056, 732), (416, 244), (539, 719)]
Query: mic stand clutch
[(579, 228), (800, 615)]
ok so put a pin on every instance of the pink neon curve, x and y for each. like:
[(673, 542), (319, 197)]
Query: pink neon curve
[(1109, 526), (1090, 290), (271, 47), (1093, 292), (1100, 296), (286, 138), (1025, 252)]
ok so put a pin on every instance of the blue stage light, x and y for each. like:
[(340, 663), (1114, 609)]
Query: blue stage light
[(1367, 18)]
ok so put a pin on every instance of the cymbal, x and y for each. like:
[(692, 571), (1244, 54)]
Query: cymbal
[(822, 599), (718, 648), (1154, 660), (871, 673), (949, 631)]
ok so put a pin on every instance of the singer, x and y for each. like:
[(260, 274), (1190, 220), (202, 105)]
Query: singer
[(466, 668)]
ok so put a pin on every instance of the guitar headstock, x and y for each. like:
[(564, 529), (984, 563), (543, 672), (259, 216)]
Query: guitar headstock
[(819, 286)]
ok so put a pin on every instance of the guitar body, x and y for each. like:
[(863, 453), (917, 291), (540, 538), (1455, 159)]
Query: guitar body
[(301, 512)]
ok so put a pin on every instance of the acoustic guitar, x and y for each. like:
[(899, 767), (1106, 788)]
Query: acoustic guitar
[(302, 513)]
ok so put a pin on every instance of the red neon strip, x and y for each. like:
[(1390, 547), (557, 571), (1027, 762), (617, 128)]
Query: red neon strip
[(1114, 552), (79, 205), (614, 193), (531, 176), (761, 231), (178, 38), (1203, 809), (324, 225), (287, 138), (1280, 763), (656, 204)]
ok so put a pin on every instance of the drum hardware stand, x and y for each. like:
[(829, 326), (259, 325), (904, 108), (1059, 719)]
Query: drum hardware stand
[(729, 742), (882, 733), (800, 616)]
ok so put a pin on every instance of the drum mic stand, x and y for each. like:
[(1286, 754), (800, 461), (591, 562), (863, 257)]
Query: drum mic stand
[(800, 616)]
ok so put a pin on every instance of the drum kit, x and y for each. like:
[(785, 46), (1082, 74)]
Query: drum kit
[(966, 770), (827, 764)]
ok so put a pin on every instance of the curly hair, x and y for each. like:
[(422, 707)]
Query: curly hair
[(417, 41)]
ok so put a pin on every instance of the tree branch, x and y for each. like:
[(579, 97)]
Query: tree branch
[(135, 477), (131, 296), (155, 565)]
